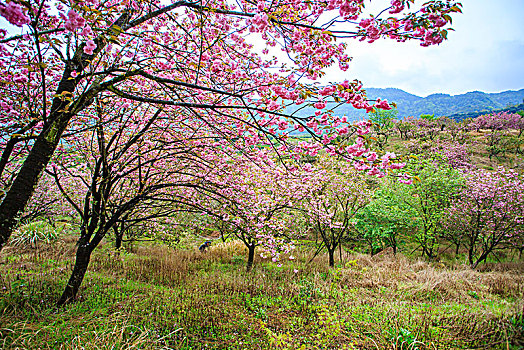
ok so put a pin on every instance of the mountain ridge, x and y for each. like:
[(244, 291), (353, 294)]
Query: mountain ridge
[(442, 104), (439, 104)]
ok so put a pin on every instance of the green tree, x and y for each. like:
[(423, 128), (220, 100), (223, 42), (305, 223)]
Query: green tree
[(384, 221), (383, 123), (416, 209)]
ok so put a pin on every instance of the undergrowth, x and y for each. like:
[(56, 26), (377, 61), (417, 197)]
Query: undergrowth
[(154, 297)]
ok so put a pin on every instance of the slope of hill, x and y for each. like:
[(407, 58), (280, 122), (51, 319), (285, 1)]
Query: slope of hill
[(439, 104), (512, 109)]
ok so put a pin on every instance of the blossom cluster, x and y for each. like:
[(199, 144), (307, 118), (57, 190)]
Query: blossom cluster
[(14, 14)]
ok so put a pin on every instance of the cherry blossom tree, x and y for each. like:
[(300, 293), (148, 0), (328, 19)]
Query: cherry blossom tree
[(335, 198), (253, 200), (191, 56), (128, 165), (501, 136), (456, 154), (459, 130), (405, 127), (487, 213)]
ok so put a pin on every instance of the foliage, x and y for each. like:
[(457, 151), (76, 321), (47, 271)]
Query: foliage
[(383, 123), (419, 206), (384, 220)]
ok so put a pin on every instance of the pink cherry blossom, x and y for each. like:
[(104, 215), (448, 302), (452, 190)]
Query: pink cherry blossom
[(90, 47), (14, 14)]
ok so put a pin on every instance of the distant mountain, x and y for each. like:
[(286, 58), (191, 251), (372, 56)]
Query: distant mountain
[(512, 109), (475, 102)]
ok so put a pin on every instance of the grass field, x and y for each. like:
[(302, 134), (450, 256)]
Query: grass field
[(154, 297)]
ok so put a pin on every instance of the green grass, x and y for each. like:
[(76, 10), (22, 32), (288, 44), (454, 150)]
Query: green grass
[(159, 298)]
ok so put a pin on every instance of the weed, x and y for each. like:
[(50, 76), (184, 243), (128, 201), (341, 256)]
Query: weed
[(159, 298)]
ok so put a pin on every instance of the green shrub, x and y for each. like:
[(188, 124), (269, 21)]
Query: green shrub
[(35, 233)]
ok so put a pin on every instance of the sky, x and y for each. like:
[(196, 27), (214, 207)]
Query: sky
[(484, 53)]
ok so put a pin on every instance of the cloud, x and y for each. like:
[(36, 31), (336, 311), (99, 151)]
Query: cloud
[(486, 52)]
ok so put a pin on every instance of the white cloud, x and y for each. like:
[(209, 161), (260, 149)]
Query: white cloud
[(484, 53)]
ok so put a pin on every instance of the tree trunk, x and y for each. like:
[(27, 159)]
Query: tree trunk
[(331, 253), (119, 235), (83, 255), (482, 258), (23, 186), (118, 242), (470, 256), (250, 257)]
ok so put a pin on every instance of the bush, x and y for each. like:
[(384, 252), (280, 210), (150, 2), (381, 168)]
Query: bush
[(35, 233)]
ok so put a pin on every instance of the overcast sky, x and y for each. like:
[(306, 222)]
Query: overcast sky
[(485, 53)]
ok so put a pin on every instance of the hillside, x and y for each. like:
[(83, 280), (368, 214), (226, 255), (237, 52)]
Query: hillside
[(439, 104)]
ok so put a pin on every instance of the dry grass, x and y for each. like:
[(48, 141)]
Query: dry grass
[(158, 298), (116, 332)]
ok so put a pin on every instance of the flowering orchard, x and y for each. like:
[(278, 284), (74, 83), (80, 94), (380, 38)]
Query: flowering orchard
[(194, 59), (142, 109), (463, 199)]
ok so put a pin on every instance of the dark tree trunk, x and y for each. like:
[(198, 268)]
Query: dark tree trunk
[(250, 257), (83, 255), (457, 247), (119, 235), (118, 242), (470, 256), (23, 186), (331, 253), (482, 258)]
